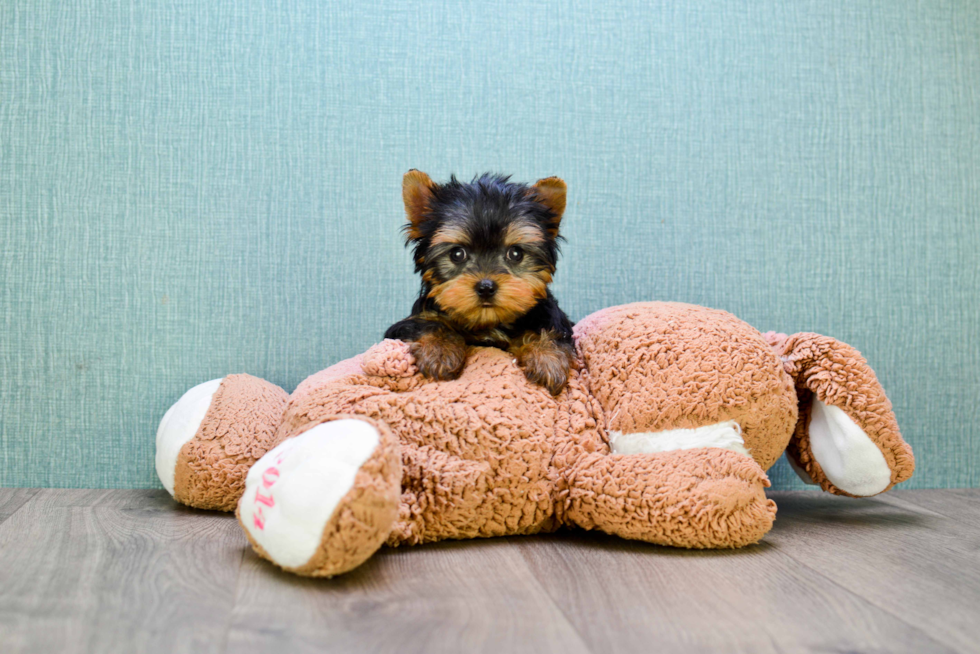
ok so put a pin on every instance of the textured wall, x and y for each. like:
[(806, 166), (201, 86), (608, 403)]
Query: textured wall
[(189, 189)]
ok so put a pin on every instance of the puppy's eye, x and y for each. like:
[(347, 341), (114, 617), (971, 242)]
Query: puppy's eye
[(457, 255), (515, 254)]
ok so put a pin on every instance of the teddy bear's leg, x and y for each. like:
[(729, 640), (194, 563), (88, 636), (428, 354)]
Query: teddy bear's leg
[(322, 502), (213, 434), (846, 439), (444, 496), (697, 498)]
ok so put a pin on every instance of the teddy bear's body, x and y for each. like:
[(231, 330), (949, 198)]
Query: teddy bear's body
[(663, 434)]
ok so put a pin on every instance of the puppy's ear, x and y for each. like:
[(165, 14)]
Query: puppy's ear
[(550, 192), (416, 193)]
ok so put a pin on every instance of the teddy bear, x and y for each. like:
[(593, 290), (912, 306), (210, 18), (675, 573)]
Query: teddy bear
[(663, 434)]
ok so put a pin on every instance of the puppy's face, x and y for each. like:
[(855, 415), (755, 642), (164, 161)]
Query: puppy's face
[(486, 250), (483, 278)]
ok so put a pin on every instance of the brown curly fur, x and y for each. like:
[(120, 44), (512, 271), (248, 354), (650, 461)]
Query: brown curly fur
[(440, 354), (545, 360)]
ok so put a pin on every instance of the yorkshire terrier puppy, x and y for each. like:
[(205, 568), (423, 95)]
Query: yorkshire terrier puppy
[(486, 252)]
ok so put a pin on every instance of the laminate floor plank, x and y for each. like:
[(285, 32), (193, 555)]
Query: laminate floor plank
[(11, 499), (916, 564), (116, 571), (471, 596), (961, 505), (132, 571), (635, 597)]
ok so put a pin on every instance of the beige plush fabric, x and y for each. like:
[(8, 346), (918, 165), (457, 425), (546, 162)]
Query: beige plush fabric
[(489, 454), (474, 450), (239, 427), (837, 374), (701, 498), (657, 366)]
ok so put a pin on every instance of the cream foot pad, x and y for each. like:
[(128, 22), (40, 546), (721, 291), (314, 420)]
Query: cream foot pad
[(849, 459), (292, 492)]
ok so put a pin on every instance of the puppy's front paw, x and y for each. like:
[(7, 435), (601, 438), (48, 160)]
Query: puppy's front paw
[(439, 356), (549, 370), (545, 362)]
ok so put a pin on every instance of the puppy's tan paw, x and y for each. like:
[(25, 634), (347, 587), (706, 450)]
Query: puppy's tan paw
[(439, 356), (546, 362)]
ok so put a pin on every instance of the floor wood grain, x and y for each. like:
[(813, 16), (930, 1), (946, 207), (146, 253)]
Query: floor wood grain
[(130, 571), (116, 571), (918, 565), (474, 596), (11, 499), (752, 600), (959, 505)]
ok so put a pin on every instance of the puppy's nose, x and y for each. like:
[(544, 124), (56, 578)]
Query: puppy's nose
[(485, 288)]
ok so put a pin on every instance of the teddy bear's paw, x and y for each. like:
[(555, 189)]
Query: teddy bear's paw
[(389, 358), (731, 512), (848, 458), (847, 439), (179, 425), (321, 503), (213, 434)]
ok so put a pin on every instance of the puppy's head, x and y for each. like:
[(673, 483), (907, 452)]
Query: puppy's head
[(486, 250)]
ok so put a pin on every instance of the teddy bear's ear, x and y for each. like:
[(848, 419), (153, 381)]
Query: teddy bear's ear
[(550, 192), (416, 193)]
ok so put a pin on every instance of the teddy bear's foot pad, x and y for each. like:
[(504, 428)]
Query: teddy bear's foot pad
[(292, 492), (322, 502), (848, 457)]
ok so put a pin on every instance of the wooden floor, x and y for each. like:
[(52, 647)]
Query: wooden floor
[(130, 571)]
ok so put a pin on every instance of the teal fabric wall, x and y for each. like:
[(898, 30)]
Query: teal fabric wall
[(189, 189)]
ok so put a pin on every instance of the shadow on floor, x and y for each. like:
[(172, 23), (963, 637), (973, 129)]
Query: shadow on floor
[(809, 508)]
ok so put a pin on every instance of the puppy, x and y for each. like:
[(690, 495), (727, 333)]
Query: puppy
[(486, 252)]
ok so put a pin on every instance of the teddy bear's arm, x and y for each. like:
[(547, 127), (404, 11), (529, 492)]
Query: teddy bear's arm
[(698, 498), (389, 358), (847, 439)]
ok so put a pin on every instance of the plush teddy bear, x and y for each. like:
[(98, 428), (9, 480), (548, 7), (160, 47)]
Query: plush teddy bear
[(663, 434)]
